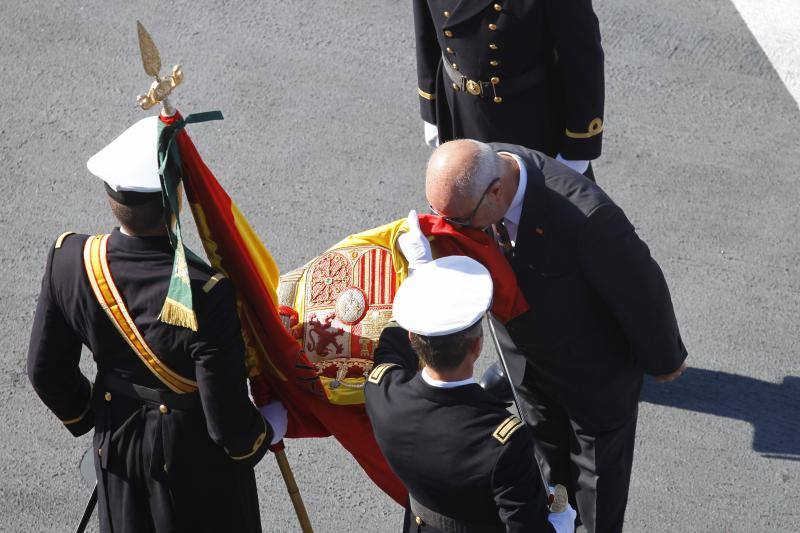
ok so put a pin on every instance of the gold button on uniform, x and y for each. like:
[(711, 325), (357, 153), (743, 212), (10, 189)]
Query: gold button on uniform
[(495, 80), (455, 66), (494, 63), (497, 99), (446, 13), (449, 50), (492, 27), (448, 33), (107, 396), (493, 46), (418, 520), (163, 408), (498, 7), (456, 87)]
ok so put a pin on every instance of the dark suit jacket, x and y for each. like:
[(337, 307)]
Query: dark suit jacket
[(439, 443), (601, 314), (547, 60)]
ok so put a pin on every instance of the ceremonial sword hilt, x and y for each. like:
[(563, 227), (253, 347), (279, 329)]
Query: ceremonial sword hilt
[(559, 499)]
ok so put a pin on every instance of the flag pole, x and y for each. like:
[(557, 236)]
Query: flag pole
[(291, 487)]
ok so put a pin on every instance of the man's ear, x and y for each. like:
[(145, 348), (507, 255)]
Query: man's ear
[(497, 190), (477, 346)]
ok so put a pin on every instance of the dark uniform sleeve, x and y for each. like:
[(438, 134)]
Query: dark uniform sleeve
[(394, 347), (233, 421), (619, 266), (428, 56), (517, 486), (53, 357), (576, 31)]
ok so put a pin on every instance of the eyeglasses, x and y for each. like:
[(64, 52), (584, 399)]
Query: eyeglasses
[(465, 222)]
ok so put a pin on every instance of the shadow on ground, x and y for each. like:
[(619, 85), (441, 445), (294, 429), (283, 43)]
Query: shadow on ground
[(772, 408)]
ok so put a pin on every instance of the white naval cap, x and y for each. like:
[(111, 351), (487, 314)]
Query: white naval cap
[(130, 162), (444, 296)]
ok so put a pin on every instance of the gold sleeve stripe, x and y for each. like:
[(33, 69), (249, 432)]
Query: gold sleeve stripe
[(377, 373), (595, 128), (61, 238), (426, 96), (507, 428), (213, 280), (256, 445), (82, 415)]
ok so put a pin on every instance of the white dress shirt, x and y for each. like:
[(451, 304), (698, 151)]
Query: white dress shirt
[(426, 377), (511, 219)]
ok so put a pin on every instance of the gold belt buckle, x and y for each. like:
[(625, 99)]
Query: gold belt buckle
[(473, 87)]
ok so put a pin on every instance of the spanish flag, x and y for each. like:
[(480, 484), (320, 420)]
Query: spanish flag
[(278, 368)]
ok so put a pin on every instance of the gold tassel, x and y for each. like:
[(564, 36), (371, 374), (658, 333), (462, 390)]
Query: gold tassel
[(178, 315)]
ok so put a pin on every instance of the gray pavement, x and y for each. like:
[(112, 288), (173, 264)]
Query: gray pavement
[(322, 138)]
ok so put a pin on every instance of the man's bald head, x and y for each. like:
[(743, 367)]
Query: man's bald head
[(458, 173)]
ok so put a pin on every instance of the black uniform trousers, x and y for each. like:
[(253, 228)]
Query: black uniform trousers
[(594, 466)]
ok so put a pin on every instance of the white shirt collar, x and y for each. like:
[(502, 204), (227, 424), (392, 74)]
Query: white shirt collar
[(444, 384), (515, 210)]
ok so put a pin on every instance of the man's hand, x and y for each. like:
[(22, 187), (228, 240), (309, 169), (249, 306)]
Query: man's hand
[(275, 415), (431, 134), (664, 378), (414, 244)]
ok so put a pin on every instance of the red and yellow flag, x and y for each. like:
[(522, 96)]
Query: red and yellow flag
[(278, 367)]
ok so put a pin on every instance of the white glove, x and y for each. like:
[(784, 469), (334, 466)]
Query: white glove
[(431, 134), (563, 522), (275, 415), (414, 244), (578, 166)]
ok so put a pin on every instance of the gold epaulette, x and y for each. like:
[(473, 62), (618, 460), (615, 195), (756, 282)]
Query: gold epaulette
[(507, 428), (377, 373), (61, 238), (213, 280)]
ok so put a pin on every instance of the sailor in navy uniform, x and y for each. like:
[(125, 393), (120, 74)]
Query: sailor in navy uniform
[(527, 72), (467, 463), (176, 435)]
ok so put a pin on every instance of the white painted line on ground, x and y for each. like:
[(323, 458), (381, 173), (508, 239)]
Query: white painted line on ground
[(776, 26)]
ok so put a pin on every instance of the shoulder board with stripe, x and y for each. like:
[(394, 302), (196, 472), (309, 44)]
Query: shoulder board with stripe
[(377, 373), (213, 280), (507, 428), (61, 238)]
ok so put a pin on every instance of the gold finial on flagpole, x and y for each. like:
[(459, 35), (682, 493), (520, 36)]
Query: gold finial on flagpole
[(161, 88)]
